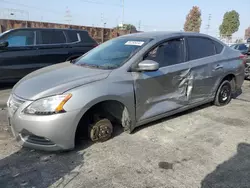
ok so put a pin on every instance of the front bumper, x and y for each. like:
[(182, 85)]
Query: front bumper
[(51, 133)]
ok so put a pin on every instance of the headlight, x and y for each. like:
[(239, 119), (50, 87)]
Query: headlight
[(47, 106)]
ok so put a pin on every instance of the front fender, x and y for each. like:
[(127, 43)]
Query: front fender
[(85, 97)]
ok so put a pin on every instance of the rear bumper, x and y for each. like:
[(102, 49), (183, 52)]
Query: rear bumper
[(247, 69)]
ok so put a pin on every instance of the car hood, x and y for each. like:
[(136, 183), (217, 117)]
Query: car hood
[(56, 79)]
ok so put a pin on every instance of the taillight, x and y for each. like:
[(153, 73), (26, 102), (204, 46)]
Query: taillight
[(244, 59)]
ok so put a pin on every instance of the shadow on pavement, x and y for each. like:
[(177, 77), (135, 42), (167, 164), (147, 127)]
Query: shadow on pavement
[(28, 168), (31, 168), (233, 173)]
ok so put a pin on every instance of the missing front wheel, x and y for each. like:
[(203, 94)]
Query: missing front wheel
[(101, 130)]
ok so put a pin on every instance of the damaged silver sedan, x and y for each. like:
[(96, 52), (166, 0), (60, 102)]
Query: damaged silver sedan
[(131, 80)]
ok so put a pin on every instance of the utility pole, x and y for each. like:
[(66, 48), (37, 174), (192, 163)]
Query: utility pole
[(208, 23), (101, 19), (139, 26), (122, 12), (41, 20), (68, 17)]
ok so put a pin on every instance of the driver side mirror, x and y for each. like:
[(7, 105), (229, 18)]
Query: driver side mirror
[(4, 44), (148, 65)]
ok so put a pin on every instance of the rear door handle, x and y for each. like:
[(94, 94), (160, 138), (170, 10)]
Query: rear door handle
[(218, 67)]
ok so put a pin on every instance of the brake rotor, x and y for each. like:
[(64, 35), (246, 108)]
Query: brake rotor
[(101, 131)]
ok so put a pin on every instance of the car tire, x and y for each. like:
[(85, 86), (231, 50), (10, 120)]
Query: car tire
[(223, 94)]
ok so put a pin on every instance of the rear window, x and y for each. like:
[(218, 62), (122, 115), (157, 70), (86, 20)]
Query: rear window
[(51, 37), (199, 47), (219, 47), (85, 38), (243, 47), (233, 46), (73, 36)]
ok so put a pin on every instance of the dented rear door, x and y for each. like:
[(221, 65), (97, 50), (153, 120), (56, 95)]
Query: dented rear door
[(163, 90), (204, 68)]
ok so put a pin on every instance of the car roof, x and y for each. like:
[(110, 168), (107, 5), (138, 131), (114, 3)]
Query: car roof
[(164, 34), (62, 29)]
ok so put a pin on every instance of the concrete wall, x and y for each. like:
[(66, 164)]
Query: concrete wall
[(99, 34)]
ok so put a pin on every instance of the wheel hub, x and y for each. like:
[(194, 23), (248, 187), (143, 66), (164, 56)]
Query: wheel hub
[(101, 130), (224, 94)]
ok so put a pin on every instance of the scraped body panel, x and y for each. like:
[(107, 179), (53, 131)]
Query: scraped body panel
[(161, 91)]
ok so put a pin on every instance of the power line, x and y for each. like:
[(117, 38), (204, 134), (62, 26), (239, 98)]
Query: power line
[(37, 8), (208, 23), (33, 7), (68, 15), (101, 3)]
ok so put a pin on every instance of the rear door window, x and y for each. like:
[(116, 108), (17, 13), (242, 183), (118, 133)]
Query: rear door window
[(199, 47), (20, 38), (51, 37)]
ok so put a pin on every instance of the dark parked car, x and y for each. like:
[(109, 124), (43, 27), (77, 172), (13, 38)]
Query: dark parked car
[(243, 48), (27, 49)]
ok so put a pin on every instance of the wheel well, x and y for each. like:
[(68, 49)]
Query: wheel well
[(232, 79), (72, 57), (113, 110)]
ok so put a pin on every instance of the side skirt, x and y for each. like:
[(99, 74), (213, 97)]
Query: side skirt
[(167, 114)]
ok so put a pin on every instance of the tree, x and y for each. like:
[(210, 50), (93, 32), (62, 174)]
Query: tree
[(230, 24), (247, 33), (127, 27), (193, 20)]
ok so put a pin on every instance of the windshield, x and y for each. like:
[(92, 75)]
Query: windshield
[(112, 54)]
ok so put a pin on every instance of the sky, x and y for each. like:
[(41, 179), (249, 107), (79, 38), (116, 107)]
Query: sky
[(146, 15)]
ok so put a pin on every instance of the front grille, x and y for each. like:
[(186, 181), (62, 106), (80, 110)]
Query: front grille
[(37, 140)]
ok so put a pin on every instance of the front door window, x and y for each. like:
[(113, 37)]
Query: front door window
[(20, 38)]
